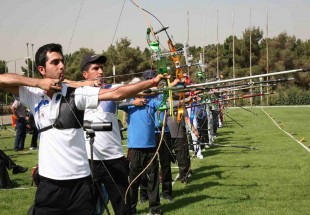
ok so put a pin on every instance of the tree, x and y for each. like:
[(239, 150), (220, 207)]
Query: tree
[(3, 67), (256, 36), (73, 62), (25, 71), (127, 60)]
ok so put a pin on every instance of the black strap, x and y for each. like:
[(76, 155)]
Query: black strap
[(45, 129), (69, 116)]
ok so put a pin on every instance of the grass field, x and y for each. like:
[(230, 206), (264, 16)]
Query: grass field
[(272, 179)]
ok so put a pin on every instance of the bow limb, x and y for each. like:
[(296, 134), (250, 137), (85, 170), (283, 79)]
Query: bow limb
[(180, 75), (143, 11)]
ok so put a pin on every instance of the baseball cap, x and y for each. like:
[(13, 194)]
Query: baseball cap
[(92, 59), (149, 74)]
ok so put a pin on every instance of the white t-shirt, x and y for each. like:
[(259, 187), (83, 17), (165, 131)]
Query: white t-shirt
[(195, 124), (107, 144), (62, 153), (20, 109)]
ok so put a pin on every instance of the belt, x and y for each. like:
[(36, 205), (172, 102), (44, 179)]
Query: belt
[(64, 183)]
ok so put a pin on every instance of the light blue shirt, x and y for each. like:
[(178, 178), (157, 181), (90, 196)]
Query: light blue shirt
[(141, 124)]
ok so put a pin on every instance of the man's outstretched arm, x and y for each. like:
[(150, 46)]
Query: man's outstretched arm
[(130, 90), (11, 82)]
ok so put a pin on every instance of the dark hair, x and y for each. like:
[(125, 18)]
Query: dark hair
[(87, 66), (40, 57)]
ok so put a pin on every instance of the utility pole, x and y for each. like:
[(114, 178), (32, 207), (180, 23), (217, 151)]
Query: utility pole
[(233, 32), (114, 73), (251, 99), (27, 59), (217, 44), (203, 50), (6, 94), (32, 62), (267, 56), (187, 27)]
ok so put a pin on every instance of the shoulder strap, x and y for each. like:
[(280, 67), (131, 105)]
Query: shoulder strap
[(69, 116)]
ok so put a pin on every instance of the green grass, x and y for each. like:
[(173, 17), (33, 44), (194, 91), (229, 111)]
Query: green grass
[(272, 179)]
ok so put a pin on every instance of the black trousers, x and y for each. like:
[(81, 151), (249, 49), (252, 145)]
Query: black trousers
[(34, 139), (215, 116), (181, 150), (7, 160), (114, 175), (165, 157), (5, 163), (4, 175), (65, 197), (138, 160)]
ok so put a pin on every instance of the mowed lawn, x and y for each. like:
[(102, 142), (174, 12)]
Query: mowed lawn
[(272, 179)]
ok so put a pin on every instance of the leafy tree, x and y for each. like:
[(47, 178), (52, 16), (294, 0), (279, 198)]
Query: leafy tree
[(3, 67), (73, 62), (25, 71), (127, 60)]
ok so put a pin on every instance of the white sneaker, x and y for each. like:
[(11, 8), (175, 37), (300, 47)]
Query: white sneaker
[(220, 124), (199, 155)]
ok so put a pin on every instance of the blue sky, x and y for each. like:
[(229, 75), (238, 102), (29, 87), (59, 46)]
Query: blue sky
[(44, 21)]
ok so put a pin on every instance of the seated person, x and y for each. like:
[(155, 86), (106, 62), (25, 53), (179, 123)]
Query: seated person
[(7, 163)]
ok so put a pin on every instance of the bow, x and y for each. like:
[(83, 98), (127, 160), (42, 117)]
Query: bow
[(159, 56)]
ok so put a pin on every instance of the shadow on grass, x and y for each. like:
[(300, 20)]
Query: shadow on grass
[(19, 183), (210, 152), (29, 152), (205, 171), (185, 202), (182, 200), (227, 149), (16, 183)]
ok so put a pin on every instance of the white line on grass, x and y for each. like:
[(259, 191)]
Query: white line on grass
[(286, 131), (175, 179), (19, 188)]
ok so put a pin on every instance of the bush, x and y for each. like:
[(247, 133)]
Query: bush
[(292, 96)]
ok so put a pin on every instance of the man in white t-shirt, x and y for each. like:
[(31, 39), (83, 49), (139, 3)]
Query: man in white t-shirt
[(18, 111), (65, 183), (110, 167)]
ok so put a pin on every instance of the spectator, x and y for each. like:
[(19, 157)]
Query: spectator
[(34, 131), (7, 163), (18, 111)]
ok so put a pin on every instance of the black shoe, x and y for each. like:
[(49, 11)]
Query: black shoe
[(155, 212), (184, 180), (11, 164), (19, 169), (143, 200), (189, 174), (168, 198), (134, 211)]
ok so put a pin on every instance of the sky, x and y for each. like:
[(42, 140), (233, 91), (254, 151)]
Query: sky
[(93, 23)]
